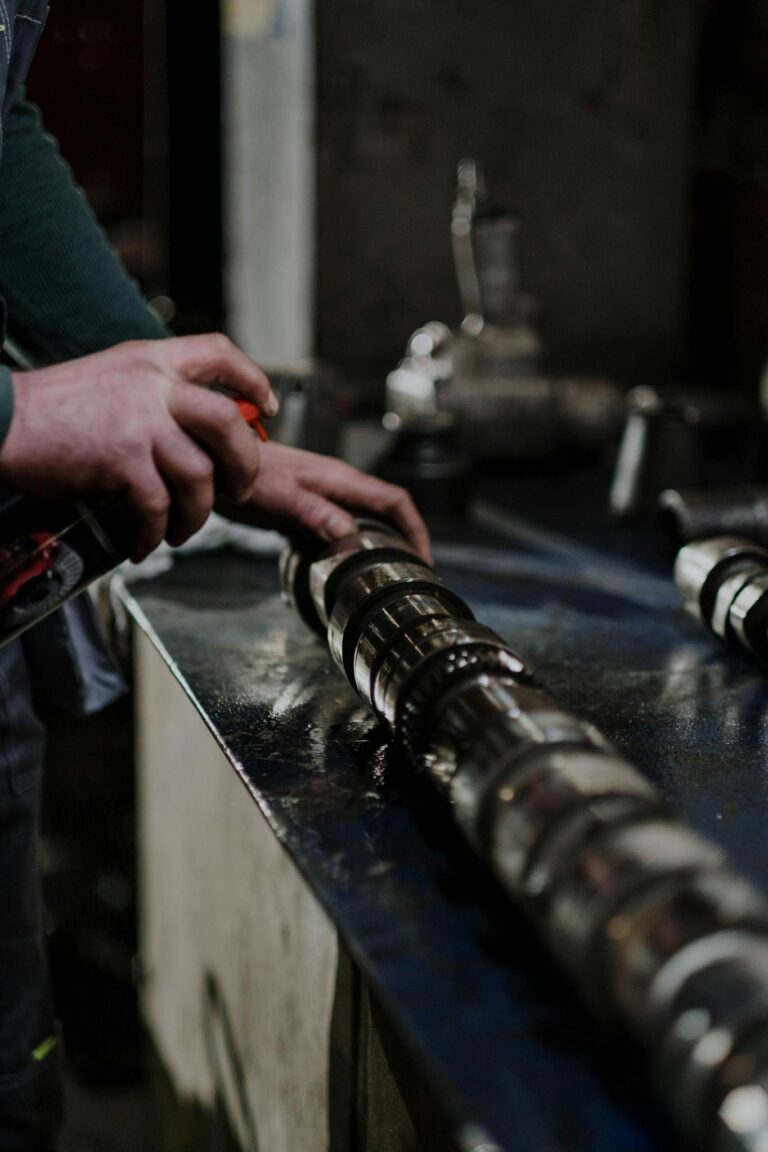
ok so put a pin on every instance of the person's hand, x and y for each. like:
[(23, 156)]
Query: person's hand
[(134, 420), (301, 489)]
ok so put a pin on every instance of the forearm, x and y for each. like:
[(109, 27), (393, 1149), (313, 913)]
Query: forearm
[(66, 291)]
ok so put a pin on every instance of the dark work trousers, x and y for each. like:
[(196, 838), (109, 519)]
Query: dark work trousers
[(30, 1092)]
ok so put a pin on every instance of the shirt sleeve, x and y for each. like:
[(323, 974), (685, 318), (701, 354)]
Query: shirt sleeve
[(66, 292)]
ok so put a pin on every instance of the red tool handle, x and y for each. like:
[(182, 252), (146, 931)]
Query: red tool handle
[(251, 413)]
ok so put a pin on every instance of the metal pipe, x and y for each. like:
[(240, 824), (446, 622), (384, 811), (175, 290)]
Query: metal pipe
[(658, 933)]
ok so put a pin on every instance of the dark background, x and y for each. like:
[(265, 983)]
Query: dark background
[(631, 136)]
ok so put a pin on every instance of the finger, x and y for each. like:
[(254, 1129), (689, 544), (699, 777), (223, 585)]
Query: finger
[(398, 506), (215, 421), (205, 359), (149, 502), (387, 500), (189, 473), (317, 514)]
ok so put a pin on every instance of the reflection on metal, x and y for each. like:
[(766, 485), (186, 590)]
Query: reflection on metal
[(694, 514), (660, 447), (656, 930), (724, 582)]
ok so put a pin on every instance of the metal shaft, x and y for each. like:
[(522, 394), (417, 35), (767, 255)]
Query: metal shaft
[(655, 929), (724, 582), (697, 514)]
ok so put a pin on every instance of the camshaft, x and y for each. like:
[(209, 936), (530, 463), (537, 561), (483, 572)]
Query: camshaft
[(658, 932)]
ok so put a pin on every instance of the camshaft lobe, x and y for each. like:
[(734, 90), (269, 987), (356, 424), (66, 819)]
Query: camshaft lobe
[(654, 928)]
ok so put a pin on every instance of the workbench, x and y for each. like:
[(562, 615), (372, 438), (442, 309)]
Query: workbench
[(355, 970)]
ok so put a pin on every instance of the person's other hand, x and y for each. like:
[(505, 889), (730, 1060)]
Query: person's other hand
[(297, 488), (135, 420)]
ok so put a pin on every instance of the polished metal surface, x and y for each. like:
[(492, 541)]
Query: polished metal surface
[(668, 932), (724, 581), (727, 591), (716, 1010), (369, 544), (696, 563), (655, 930), (748, 615), (358, 592), (695, 514), (384, 624), (529, 800), (609, 871), (415, 649)]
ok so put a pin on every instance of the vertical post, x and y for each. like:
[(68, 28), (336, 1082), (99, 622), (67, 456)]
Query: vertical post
[(269, 166)]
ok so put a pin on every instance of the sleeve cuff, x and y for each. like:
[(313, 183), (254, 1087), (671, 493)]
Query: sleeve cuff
[(6, 401)]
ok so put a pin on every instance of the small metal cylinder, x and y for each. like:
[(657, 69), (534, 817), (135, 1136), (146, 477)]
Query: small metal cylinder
[(296, 561), (696, 514), (413, 651), (487, 728), (646, 942), (738, 1099), (330, 574), (358, 590), (427, 692), (724, 582), (384, 623), (310, 557), (607, 873), (716, 1011), (529, 799)]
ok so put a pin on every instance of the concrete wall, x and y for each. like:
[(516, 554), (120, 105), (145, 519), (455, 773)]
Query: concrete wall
[(580, 110)]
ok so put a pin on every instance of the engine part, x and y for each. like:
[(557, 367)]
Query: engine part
[(694, 514), (660, 448), (724, 583), (426, 458), (657, 933)]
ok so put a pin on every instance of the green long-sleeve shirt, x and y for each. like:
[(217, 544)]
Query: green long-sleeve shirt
[(65, 290)]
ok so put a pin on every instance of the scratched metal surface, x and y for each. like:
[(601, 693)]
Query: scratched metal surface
[(493, 1026)]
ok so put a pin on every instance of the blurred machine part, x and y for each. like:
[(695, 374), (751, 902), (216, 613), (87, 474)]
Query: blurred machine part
[(659, 449), (486, 257), (488, 375), (679, 439), (413, 388), (724, 583), (427, 458), (310, 396), (694, 513), (658, 933)]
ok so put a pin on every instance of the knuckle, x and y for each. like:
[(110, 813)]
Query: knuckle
[(230, 420), (201, 470), (157, 505)]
